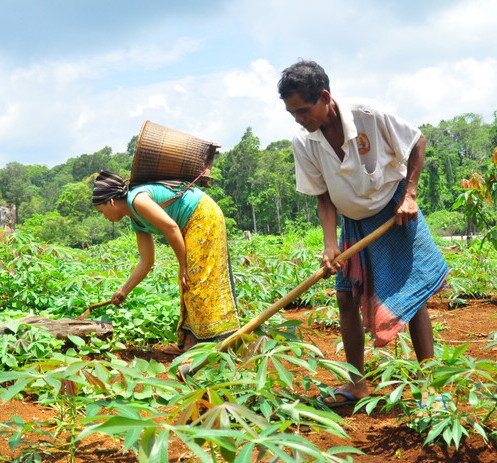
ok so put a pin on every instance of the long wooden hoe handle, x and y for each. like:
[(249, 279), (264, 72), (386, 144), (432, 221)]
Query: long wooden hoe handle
[(304, 286), (298, 290), (91, 307)]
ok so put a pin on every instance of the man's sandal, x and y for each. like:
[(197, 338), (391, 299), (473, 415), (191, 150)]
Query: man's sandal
[(331, 402)]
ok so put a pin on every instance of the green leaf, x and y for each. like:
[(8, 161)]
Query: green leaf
[(131, 438), (266, 408), (119, 425), (481, 431), (146, 445), (371, 403), (228, 453), (396, 394), (457, 431), (437, 430), (79, 342), (245, 455), (261, 374), (283, 373), (15, 389)]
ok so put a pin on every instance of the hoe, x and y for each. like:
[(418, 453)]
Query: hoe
[(185, 369)]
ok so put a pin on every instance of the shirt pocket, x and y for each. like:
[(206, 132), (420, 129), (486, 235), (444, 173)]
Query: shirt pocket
[(365, 183)]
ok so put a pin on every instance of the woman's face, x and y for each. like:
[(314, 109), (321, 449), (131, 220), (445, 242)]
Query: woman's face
[(110, 211)]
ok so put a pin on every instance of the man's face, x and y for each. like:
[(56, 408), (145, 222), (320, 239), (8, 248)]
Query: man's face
[(308, 115)]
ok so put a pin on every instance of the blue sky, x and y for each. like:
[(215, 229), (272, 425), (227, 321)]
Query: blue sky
[(78, 75)]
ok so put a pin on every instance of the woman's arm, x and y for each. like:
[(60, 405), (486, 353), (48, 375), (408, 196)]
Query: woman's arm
[(155, 215), (145, 244)]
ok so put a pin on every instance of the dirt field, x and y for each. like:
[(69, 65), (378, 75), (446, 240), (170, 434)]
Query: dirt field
[(379, 436)]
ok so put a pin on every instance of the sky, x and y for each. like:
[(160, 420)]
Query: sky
[(79, 75)]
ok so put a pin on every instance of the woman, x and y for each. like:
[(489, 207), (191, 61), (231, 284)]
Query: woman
[(193, 225)]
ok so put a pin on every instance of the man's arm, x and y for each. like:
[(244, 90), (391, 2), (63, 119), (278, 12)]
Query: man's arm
[(407, 208), (327, 214)]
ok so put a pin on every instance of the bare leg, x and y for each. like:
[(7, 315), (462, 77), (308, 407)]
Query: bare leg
[(422, 341), (190, 340), (353, 341), (422, 334)]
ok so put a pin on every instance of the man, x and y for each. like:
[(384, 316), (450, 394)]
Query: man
[(365, 164)]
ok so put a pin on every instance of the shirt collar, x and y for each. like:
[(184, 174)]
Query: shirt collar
[(349, 128)]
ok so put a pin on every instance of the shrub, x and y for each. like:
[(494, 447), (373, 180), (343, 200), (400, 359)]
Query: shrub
[(447, 223)]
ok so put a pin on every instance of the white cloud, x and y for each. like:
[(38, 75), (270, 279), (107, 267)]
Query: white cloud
[(467, 22), (258, 82), (429, 61), (59, 105), (450, 89), (143, 58)]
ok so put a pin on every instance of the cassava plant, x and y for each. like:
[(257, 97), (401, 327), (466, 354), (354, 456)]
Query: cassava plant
[(237, 407), (479, 199), (445, 398)]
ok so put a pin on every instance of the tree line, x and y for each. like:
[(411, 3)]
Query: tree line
[(254, 186)]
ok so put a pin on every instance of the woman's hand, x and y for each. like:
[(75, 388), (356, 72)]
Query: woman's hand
[(183, 277), (118, 297)]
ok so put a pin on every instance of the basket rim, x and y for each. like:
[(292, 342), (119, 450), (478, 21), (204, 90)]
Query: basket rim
[(214, 145)]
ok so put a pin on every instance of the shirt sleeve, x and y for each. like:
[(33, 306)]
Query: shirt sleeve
[(308, 175), (401, 136)]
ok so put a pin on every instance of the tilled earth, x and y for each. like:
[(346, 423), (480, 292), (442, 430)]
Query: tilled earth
[(380, 436)]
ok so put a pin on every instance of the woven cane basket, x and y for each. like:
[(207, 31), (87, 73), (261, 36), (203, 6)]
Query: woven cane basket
[(162, 153)]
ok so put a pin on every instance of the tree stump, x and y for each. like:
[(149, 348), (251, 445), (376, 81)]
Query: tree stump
[(63, 327)]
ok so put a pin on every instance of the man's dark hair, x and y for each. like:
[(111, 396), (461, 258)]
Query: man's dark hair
[(307, 78)]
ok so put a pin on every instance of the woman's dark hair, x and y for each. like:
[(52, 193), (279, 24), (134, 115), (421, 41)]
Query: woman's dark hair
[(108, 186), (307, 78)]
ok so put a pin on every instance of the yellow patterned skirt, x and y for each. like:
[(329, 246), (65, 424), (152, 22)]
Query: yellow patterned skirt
[(208, 308)]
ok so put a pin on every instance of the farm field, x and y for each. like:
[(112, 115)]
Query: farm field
[(60, 390), (379, 436)]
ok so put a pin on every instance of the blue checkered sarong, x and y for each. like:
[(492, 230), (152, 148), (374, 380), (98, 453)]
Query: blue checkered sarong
[(395, 275)]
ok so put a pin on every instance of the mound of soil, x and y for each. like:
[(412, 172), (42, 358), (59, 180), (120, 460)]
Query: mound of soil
[(379, 436)]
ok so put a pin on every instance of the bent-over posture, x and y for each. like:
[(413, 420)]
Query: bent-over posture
[(194, 226)]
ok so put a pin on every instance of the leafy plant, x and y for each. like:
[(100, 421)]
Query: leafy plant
[(29, 452), (479, 198), (24, 344), (237, 409), (447, 397)]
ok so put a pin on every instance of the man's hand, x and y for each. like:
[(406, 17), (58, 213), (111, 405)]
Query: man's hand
[(406, 210), (329, 255)]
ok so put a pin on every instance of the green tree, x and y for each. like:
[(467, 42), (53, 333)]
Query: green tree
[(431, 185), (132, 145), (15, 185), (120, 163), (75, 200), (493, 131), (238, 169), (48, 228), (273, 187), (86, 164)]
